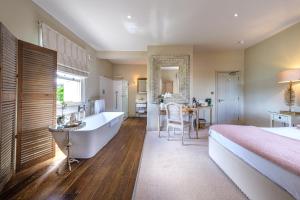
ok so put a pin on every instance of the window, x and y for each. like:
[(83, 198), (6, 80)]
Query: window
[(69, 89)]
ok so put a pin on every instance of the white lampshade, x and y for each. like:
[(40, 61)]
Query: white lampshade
[(292, 75)]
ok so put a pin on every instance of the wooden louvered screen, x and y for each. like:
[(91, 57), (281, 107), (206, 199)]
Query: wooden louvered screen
[(36, 104), (8, 68)]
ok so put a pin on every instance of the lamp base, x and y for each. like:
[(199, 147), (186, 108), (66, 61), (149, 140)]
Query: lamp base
[(290, 96)]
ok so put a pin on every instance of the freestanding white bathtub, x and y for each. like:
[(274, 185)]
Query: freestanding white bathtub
[(86, 142)]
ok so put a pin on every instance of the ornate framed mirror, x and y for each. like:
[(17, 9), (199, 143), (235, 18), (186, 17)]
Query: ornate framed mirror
[(170, 77)]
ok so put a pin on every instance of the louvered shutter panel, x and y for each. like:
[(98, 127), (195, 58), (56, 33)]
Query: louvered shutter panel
[(36, 104), (8, 68)]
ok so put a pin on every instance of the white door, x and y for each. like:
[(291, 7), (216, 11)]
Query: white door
[(117, 96), (106, 92), (228, 98)]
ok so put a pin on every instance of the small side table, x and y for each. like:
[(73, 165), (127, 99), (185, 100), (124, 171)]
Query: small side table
[(62, 129), (210, 108), (287, 119)]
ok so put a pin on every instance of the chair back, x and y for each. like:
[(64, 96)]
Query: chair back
[(174, 113)]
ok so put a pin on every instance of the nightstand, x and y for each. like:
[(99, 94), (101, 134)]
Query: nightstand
[(284, 119)]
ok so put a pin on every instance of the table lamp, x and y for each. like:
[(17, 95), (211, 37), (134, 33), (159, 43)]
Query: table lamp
[(289, 76)]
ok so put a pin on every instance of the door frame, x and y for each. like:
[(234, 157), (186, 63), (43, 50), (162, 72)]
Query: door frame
[(216, 94)]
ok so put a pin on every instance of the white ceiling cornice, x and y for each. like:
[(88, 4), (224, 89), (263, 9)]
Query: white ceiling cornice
[(124, 57)]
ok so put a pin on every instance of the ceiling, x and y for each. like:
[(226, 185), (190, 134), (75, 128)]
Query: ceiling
[(211, 24)]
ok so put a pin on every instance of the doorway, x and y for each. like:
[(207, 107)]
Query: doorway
[(228, 97)]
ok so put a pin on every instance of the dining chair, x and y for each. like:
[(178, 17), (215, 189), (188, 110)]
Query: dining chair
[(175, 119)]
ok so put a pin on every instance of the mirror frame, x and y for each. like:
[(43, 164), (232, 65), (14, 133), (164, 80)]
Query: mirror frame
[(183, 62), (138, 86)]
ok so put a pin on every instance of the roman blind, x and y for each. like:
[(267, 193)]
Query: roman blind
[(71, 58), (8, 83), (37, 68)]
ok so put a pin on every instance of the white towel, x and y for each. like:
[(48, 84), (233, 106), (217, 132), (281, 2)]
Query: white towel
[(99, 106)]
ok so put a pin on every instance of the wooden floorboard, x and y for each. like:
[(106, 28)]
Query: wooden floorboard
[(110, 174)]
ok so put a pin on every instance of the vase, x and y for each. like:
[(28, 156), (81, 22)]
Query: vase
[(60, 120)]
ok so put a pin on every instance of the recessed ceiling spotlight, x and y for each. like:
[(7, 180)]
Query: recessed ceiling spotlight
[(236, 15), (129, 17), (241, 42)]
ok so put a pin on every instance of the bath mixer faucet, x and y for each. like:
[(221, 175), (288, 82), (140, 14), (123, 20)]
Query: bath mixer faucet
[(81, 108)]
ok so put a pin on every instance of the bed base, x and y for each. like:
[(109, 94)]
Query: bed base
[(252, 183)]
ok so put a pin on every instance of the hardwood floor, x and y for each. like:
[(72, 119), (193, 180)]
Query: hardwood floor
[(110, 174)]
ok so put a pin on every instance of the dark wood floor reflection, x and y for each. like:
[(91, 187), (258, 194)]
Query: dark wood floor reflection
[(111, 174)]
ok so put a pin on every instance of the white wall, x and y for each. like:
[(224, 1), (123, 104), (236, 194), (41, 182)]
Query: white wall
[(97, 69), (206, 64), (262, 63)]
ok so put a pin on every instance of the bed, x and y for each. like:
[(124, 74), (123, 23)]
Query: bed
[(257, 175)]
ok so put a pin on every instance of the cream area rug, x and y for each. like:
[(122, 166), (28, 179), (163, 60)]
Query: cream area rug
[(170, 171)]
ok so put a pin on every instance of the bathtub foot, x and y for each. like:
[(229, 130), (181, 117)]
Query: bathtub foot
[(70, 161), (66, 166)]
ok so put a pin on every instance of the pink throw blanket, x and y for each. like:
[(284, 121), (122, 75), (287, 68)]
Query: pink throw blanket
[(280, 150)]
